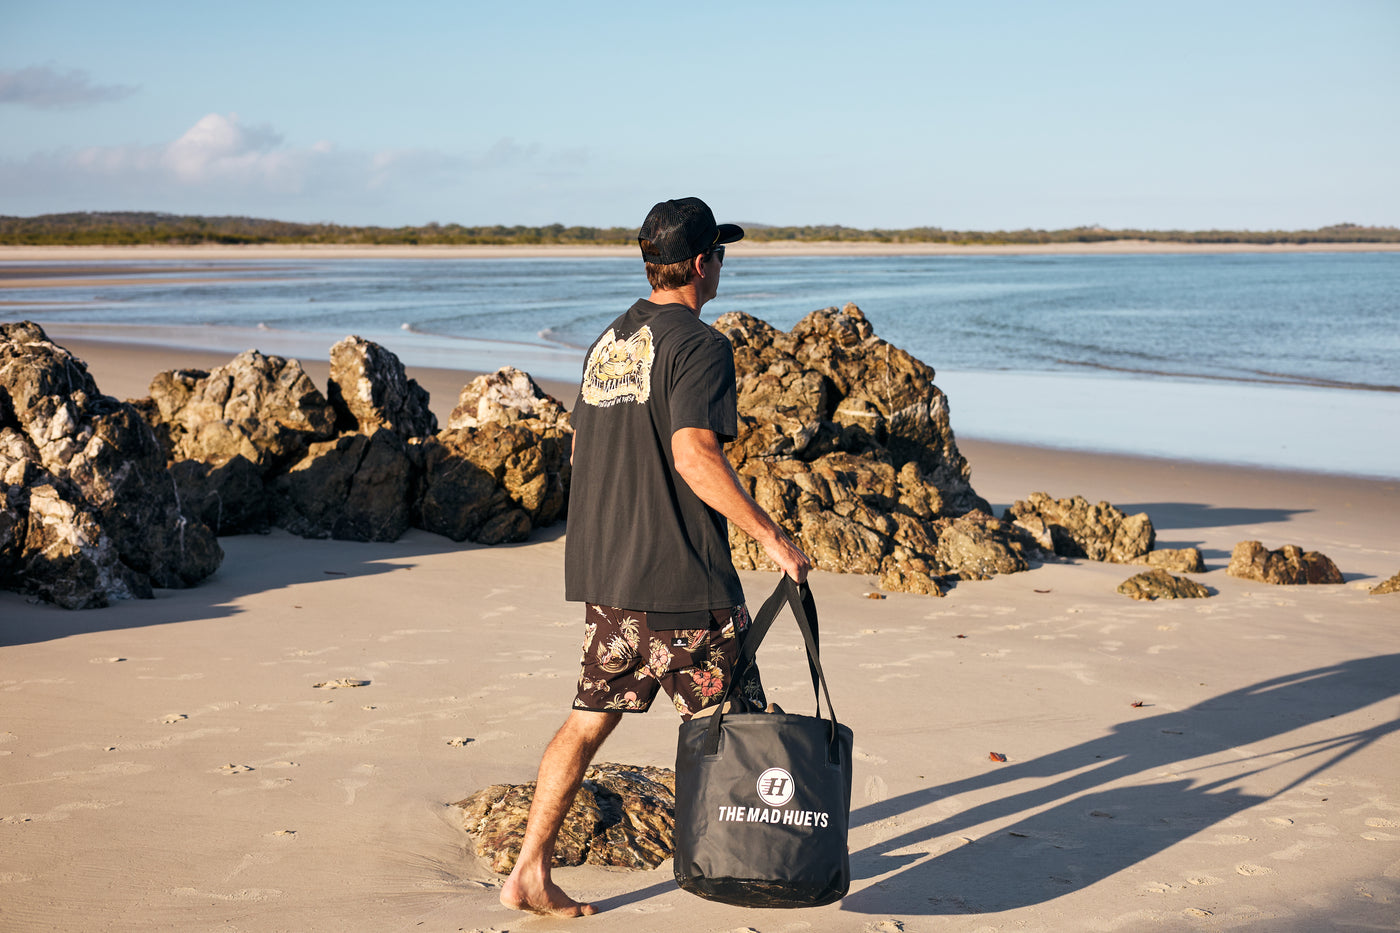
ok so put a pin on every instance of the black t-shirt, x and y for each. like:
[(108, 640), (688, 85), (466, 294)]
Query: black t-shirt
[(638, 537)]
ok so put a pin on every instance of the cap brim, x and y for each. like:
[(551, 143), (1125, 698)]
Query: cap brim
[(729, 233)]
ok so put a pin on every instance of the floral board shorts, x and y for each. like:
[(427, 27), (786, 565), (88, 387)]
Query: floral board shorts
[(624, 662)]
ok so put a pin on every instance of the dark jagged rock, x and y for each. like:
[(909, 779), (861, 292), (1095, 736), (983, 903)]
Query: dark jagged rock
[(369, 390), (1158, 584), (101, 515), (502, 466), (1075, 528), (493, 483), (845, 440), (1387, 586), (228, 431), (354, 488), (1287, 565), (624, 816)]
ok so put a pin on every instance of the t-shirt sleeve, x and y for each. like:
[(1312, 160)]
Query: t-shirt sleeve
[(702, 393)]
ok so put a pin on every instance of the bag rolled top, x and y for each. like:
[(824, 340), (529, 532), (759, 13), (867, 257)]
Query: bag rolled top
[(763, 800)]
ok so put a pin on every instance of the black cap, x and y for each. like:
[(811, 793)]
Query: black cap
[(681, 229)]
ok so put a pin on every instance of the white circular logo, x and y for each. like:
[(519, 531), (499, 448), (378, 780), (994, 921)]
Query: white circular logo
[(775, 787)]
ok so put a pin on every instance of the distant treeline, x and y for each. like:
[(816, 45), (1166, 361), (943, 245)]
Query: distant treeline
[(135, 228)]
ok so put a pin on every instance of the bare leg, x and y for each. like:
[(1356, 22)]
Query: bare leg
[(565, 760)]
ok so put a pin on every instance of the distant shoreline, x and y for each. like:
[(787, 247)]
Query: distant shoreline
[(20, 254)]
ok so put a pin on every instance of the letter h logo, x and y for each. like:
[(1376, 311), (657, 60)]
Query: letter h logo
[(775, 787)]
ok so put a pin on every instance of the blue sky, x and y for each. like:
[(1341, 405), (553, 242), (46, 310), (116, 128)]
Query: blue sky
[(1253, 115)]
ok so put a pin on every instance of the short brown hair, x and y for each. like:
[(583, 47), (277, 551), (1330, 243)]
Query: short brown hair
[(669, 276)]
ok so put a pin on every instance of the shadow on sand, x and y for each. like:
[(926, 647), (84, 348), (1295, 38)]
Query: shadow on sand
[(249, 566), (1091, 821)]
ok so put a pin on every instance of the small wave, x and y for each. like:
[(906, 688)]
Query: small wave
[(550, 335), (262, 325)]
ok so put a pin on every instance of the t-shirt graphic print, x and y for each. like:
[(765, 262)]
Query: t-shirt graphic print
[(619, 369)]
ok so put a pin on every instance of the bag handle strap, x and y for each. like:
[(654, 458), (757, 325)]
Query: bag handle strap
[(798, 597), (748, 649)]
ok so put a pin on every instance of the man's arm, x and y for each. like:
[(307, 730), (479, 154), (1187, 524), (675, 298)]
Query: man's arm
[(701, 462)]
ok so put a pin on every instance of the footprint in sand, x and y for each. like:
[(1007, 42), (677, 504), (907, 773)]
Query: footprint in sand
[(1247, 869), (1198, 912), (1161, 887), (173, 718), (1224, 840), (1379, 822), (884, 926), (352, 785), (1278, 821), (875, 789)]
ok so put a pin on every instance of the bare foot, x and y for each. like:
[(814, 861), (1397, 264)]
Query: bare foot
[(547, 898)]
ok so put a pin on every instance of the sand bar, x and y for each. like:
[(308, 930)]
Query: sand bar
[(23, 254), (169, 764)]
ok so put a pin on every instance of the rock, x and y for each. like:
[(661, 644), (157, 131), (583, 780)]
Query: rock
[(1178, 560), (90, 478), (369, 390), (1075, 528), (845, 439), (494, 483), (505, 397), (905, 580), (1158, 584), (229, 431), (1287, 565), (353, 488), (231, 498), (1380, 589), (979, 546), (58, 552), (264, 408), (624, 816)]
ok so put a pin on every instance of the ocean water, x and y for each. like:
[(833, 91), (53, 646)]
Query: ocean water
[(1274, 360)]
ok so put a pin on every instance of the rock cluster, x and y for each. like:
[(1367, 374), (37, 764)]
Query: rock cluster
[(1076, 528), (88, 511), (1287, 565), (1158, 584), (623, 816), (845, 439), (255, 444)]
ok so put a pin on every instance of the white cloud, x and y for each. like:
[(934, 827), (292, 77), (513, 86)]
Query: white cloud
[(223, 165), (219, 148), (45, 88)]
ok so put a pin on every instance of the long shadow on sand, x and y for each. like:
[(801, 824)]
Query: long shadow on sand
[(250, 566), (1180, 516), (1091, 820)]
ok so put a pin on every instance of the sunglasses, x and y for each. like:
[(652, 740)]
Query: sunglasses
[(718, 253)]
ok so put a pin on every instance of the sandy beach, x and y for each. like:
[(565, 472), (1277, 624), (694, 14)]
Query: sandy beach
[(1227, 763)]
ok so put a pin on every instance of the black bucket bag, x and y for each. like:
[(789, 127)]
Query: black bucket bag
[(763, 800)]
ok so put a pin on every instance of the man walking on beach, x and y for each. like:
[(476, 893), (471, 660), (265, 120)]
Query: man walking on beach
[(648, 544)]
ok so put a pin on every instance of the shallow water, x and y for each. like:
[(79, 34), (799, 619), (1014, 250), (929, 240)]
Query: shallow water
[(1279, 360)]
